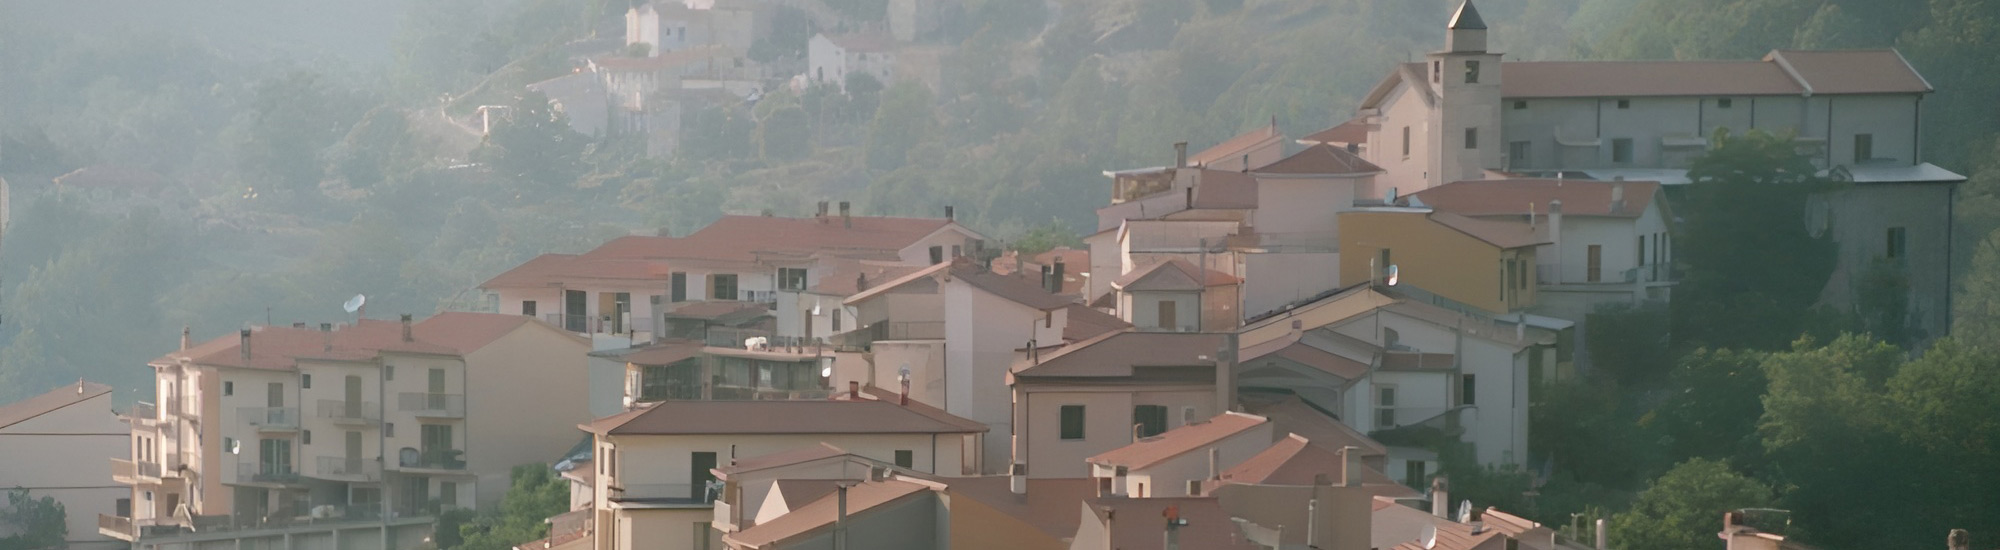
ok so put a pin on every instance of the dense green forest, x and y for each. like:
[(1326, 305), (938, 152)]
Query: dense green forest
[(307, 153)]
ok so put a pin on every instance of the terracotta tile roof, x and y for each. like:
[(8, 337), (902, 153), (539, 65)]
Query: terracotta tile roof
[(1291, 415), (807, 235), (1853, 71), (863, 42), (1224, 190), (1050, 505), (1009, 287), (467, 331), (1294, 460), (1502, 234), (1320, 160), (1458, 536), (1076, 267), (1552, 79), (1513, 197), (821, 513), (886, 286), (1236, 146), (1118, 354), (775, 417), (784, 458), (877, 393), (665, 353), (1402, 360), (1086, 322), (279, 348), (732, 240), (1291, 349), (1208, 525), (63, 396), (1352, 131), (848, 277), (1173, 274), (1178, 441)]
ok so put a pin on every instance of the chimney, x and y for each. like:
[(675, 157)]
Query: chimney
[(326, 333), (79, 386), (822, 211), (1602, 535), (903, 398), (1174, 523), (407, 337), (1017, 478), (845, 218), (1555, 237), (1190, 197), (1531, 217), (1618, 196), (1056, 276), (948, 212), (860, 282), (853, 389), (1180, 155), (840, 519), (298, 324), (245, 346), (1350, 466), (1958, 539), (1047, 272), (1214, 463), (185, 336), (1440, 497)]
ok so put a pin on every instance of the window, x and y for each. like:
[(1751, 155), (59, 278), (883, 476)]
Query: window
[(1517, 153), (1864, 147), (1151, 419), (791, 278), (1723, 103), (1621, 150), (722, 286), (1437, 71), (957, 250), (1415, 473), (1642, 250), (937, 255), (1624, 103), (1521, 274), (652, 383), (836, 320), (1471, 138), (1169, 319), (1594, 263), (528, 308), (1897, 245), (1471, 72), (1406, 142), (906, 458), (228, 388), (448, 494), (388, 429), (229, 445), (1391, 339), (1385, 406), (306, 381), (306, 437), (679, 287), (1072, 421), (1467, 391), (388, 372), (1519, 105)]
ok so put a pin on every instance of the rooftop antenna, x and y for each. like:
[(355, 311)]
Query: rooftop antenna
[(354, 305)]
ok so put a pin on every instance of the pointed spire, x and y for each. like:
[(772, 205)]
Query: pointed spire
[(1467, 18)]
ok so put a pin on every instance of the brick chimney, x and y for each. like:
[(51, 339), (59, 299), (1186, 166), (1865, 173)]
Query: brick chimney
[(245, 345), (948, 212), (853, 389), (407, 336), (846, 219)]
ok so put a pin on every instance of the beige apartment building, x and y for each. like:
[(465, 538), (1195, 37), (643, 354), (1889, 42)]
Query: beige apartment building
[(42, 439), (331, 434)]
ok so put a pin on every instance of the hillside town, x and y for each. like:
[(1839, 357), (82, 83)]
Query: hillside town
[(1332, 340)]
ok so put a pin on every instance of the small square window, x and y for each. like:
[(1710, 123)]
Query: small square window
[(906, 459), (1624, 103), (228, 388), (1471, 72), (1519, 105), (388, 429), (1471, 138), (388, 372), (306, 437), (1621, 150), (306, 381), (1723, 103), (1072, 421)]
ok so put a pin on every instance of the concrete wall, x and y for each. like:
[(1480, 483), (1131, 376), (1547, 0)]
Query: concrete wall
[(1829, 119), (1288, 205), (982, 332), (929, 377), (1404, 111), (1273, 280), (1429, 255), (1142, 309), (1107, 422), (526, 393), (1861, 217), (66, 454)]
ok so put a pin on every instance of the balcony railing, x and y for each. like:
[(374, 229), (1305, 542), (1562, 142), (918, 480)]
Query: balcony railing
[(349, 468), (433, 405), (432, 459), (664, 491), (126, 471), (342, 411), (116, 527), (145, 411), (270, 418), (262, 472), (601, 324), (725, 516)]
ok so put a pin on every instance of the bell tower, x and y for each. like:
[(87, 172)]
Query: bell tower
[(1467, 120)]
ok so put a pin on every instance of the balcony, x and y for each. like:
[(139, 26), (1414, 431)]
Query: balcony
[(625, 324), (270, 419), (725, 517), (133, 473), (144, 411), (348, 469), (447, 460), (259, 472), (116, 527), (664, 493), (432, 405), (350, 413)]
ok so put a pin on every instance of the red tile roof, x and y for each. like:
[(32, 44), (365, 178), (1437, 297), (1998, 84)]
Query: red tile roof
[(1085, 322), (1514, 197), (1050, 505), (732, 240), (1502, 234), (784, 458), (1173, 274), (1119, 354), (1291, 349), (1294, 460), (1352, 131), (1009, 287), (1458, 536), (821, 513), (776, 417), (63, 396), (1292, 415), (1236, 146), (1178, 441), (1399, 360), (279, 348), (1224, 190), (848, 277), (1320, 160), (1209, 527), (1852, 71), (467, 332)]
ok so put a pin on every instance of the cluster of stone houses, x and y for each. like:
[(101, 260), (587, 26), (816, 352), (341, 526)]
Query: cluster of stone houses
[(1266, 344)]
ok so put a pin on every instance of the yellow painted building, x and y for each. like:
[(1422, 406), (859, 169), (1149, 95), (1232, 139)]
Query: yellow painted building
[(1489, 265)]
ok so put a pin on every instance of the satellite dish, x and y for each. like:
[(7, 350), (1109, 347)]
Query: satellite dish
[(1465, 511), (354, 304), (1430, 537), (235, 446), (826, 372), (1389, 275)]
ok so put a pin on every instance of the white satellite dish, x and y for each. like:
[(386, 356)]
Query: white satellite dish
[(1465, 511), (1430, 536), (354, 304), (826, 372), (1389, 275), (236, 446)]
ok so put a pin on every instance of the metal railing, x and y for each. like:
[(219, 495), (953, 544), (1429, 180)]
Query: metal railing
[(911, 330), (435, 405), (434, 459), (350, 412), (663, 491), (116, 527), (265, 472), (270, 418), (343, 467), (145, 411), (760, 296), (122, 469)]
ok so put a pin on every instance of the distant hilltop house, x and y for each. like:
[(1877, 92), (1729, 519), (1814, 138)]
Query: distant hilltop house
[(667, 26)]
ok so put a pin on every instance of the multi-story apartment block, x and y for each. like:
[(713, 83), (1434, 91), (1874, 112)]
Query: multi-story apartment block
[(1464, 114), (42, 437), (294, 432)]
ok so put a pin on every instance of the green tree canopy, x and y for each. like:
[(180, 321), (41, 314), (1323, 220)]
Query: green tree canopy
[(1683, 508), (35, 523)]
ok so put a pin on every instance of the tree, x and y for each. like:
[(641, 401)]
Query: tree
[(785, 134), (1977, 304), (1829, 434), (295, 117), (1683, 508), (535, 144), (1753, 268), (1629, 342), (1713, 401), (37, 523), (536, 494), (903, 121), (1045, 237)]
